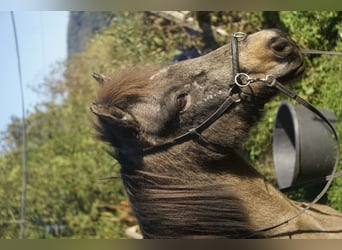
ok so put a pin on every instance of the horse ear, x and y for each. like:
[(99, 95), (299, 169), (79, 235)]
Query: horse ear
[(101, 79), (113, 115)]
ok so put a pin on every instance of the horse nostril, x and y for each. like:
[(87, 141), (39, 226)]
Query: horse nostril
[(281, 46)]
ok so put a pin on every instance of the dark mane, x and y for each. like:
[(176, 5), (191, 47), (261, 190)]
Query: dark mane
[(119, 90), (186, 211), (124, 86)]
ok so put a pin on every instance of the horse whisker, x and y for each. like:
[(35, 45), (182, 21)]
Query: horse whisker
[(321, 52)]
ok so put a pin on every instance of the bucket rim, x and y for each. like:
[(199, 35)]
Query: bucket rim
[(281, 167)]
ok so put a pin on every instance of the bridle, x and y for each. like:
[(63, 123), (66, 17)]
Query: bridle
[(241, 80)]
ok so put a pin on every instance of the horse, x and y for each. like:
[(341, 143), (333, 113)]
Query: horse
[(177, 132)]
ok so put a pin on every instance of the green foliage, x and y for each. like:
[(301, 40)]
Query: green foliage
[(313, 29), (330, 91), (65, 161)]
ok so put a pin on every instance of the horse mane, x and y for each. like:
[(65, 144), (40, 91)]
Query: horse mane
[(185, 211), (124, 86)]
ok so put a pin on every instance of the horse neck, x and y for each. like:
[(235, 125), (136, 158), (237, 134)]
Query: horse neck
[(183, 203), (183, 194), (266, 206), (220, 198)]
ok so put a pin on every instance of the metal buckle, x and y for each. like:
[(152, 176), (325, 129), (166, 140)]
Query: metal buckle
[(270, 80), (240, 36), (242, 80)]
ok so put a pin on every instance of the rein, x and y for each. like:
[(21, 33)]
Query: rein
[(321, 52), (243, 80), (270, 81)]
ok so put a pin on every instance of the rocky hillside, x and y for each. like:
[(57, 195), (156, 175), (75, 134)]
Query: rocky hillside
[(82, 27)]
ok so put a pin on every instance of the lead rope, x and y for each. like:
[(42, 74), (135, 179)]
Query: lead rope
[(243, 80)]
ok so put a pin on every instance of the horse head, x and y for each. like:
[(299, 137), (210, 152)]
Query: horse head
[(141, 109)]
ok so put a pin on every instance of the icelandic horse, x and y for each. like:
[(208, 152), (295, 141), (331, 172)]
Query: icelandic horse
[(177, 131)]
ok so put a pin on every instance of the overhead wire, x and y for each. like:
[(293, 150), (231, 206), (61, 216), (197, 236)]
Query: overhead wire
[(22, 234)]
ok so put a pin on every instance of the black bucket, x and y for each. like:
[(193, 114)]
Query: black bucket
[(303, 145)]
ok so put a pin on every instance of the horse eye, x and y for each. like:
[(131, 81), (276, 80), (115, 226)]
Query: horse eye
[(181, 101)]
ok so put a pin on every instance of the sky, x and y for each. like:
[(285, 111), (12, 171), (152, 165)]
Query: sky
[(42, 40)]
